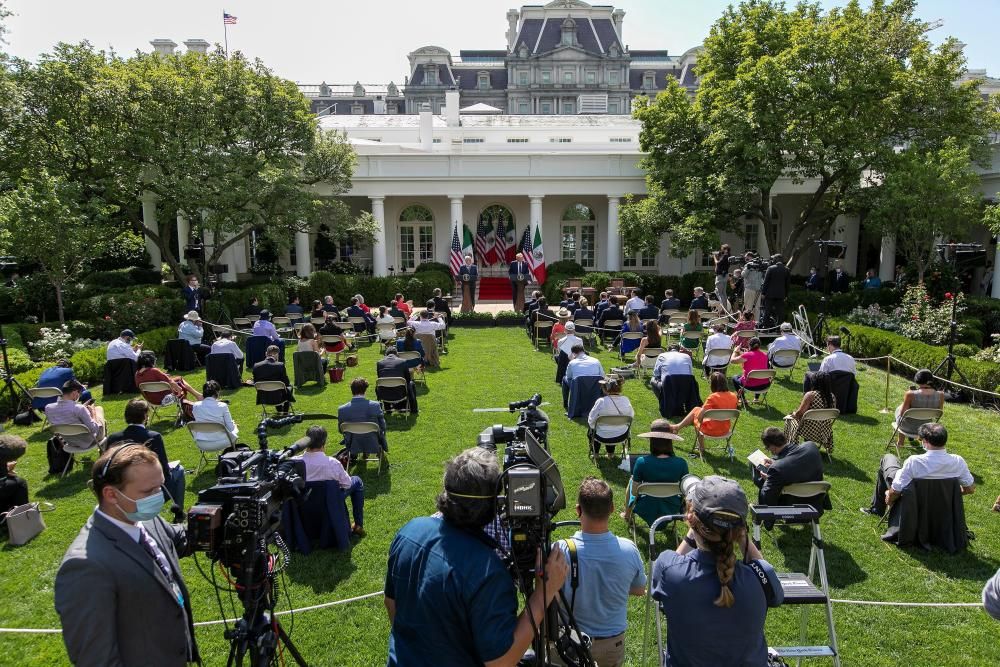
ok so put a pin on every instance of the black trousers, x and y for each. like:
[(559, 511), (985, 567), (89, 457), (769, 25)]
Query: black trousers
[(774, 312), (13, 492), (887, 470)]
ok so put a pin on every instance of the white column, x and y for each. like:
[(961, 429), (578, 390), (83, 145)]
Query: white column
[(996, 279), (303, 255), (535, 216), (887, 259), (379, 263), (149, 221), (614, 251), (228, 258), (456, 223), (183, 235)]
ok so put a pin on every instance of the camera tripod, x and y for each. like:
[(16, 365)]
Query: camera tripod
[(950, 252), (10, 385)]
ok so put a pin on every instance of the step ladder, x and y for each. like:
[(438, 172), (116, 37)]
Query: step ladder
[(800, 589)]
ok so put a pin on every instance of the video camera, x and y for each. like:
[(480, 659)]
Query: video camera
[(755, 263), (244, 508), (531, 419)]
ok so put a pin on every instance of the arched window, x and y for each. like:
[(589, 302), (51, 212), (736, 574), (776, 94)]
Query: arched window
[(416, 236), (579, 236), (504, 246)]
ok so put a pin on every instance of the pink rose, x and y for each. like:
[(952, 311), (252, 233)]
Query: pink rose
[(947, 295)]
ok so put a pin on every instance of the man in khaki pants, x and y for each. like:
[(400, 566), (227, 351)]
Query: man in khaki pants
[(610, 569)]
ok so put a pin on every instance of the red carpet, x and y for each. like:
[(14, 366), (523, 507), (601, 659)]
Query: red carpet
[(494, 289)]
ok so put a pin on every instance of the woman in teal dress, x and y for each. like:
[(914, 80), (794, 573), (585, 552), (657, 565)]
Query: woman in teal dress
[(660, 465)]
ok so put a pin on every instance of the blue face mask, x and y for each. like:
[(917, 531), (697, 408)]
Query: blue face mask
[(145, 508)]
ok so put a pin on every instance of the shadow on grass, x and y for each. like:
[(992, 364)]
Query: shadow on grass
[(375, 483), (841, 467), (611, 473), (858, 419), (323, 569), (964, 565), (400, 422), (64, 487), (795, 542)]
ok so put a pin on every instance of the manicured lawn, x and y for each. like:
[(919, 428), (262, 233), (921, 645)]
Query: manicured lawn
[(490, 367)]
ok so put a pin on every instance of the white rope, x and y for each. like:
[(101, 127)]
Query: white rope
[(878, 603)]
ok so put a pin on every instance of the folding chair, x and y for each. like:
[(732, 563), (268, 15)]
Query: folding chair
[(147, 389), (242, 323), (677, 318), (908, 424), (653, 490), (357, 322), (672, 519), (732, 416), (647, 360), (317, 321), (399, 321), (628, 335), (692, 336), (612, 326), (295, 317), (785, 360), (77, 439), (418, 373), (332, 340), (542, 330), (298, 326), (747, 334), (762, 390), (263, 387), (382, 330), (588, 335), (716, 359), (368, 453), (205, 448), (667, 313), (308, 367), (625, 439), (820, 415), (44, 392), (388, 387), (253, 318)]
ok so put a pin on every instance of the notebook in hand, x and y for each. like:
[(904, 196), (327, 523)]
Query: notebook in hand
[(757, 459)]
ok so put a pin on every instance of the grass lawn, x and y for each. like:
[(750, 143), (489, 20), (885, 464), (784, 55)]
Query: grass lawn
[(490, 367)]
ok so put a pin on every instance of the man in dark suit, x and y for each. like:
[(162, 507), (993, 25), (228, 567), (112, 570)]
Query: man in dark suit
[(774, 291), (519, 274), (841, 282), (441, 305), (813, 283), (612, 312), (194, 298), (355, 310), (121, 571), (670, 302), (468, 274), (649, 311), (391, 366), (789, 464), (360, 409), (272, 369), (136, 412)]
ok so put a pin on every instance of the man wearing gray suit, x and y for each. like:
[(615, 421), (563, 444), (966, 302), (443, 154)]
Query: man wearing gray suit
[(119, 590), (360, 409)]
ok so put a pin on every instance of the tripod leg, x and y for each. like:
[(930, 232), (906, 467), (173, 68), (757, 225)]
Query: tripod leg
[(286, 640)]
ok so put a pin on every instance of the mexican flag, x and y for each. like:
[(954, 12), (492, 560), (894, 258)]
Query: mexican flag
[(538, 257), (467, 243), (511, 238)]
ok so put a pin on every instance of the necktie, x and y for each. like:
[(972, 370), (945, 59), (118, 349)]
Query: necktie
[(154, 551)]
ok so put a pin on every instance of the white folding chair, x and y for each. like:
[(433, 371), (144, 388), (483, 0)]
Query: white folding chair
[(400, 405), (820, 415), (797, 490), (763, 374), (647, 360), (262, 386), (253, 318), (613, 325), (653, 490), (333, 339), (363, 428), (295, 317), (717, 414), (44, 392), (242, 323), (628, 335), (747, 334), (225, 440), (417, 371), (625, 439), (717, 359), (280, 322), (158, 387), (317, 321), (542, 329), (584, 323), (783, 360), (383, 330), (77, 439), (910, 422)]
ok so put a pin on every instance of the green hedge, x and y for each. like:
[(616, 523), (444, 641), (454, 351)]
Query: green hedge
[(870, 342)]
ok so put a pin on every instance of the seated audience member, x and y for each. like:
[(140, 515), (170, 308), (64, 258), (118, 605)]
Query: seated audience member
[(635, 302), (872, 281), (991, 596), (611, 404), (68, 410), (360, 409), (211, 409), (568, 340), (754, 359), (361, 303), (602, 303), (309, 342), (403, 306), (331, 328), (670, 302), (583, 311), (836, 359), (539, 312), (294, 307), (124, 347), (705, 585), (786, 341), (649, 311), (532, 303), (660, 465), (136, 414), (225, 344), (355, 310), (570, 301), (610, 569), (320, 468), (318, 311), (632, 325), (192, 332), (329, 307), (819, 397), (271, 368), (252, 308), (691, 336), (383, 322), (581, 364), (700, 300), (923, 396), (148, 372), (436, 623), (934, 463), (427, 323), (392, 366), (441, 305), (13, 489), (611, 312), (672, 362), (396, 312), (651, 340), (720, 399), (745, 323), (409, 343), (719, 339), (264, 327), (559, 328), (788, 463), (56, 376)]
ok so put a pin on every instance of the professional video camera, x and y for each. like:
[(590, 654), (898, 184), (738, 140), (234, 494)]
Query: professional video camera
[(531, 419), (756, 263)]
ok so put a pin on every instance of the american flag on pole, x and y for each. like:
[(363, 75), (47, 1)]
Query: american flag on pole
[(525, 249), (500, 246), (484, 245), (228, 19), (456, 252)]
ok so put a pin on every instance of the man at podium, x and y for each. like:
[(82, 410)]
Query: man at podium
[(519, 273), (468, 275)]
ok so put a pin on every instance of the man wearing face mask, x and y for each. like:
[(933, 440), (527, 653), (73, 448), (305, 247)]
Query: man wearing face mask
[(119, 590)]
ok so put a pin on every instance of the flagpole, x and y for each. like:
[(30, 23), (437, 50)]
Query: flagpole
[(225, 32)]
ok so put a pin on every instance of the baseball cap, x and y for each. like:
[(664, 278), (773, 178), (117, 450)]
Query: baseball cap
[(127, 333), (570, 326), (719, 502), (785, 326)]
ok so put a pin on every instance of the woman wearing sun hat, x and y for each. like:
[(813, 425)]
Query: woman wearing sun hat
[(660, 465)]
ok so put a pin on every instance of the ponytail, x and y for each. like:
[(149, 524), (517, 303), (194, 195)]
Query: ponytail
[(722, 546)]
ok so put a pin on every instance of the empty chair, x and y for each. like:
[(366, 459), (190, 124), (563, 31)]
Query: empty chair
[(242, 323), (393, 394), (317, 321), (224, 369), (366, 449), (281, 322), (610, 328), (76, 438), (542, 330), (584, 329), (308, 367), (908, 423), (209, 437)]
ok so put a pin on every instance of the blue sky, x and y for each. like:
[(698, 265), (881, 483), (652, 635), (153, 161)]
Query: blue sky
[(341, 42)]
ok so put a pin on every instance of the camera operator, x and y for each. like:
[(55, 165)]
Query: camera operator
[(121, 572), (194, 296), (721, 260), (13, 489), (753, 278), (715, 604), (449, 597), (774, 290), (610, 569)]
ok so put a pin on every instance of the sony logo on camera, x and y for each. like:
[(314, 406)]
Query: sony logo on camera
[(524, 492)]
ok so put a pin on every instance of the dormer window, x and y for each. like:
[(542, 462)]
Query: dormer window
[(523, 51), (431, 75), (392, 90), (359, 90), (613, 51), (649, 80), (568, 32), (483, 82)]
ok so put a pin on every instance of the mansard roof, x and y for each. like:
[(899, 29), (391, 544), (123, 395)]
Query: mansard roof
[(636, 73), (468, 79), (444, 76), (544, 35)]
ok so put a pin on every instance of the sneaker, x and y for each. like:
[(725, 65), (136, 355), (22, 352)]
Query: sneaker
[(869, 510), (358, 530)]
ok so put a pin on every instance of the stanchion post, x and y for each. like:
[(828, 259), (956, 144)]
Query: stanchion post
[(888, 371)]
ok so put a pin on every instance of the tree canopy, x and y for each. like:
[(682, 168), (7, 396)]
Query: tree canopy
[(800, 94)]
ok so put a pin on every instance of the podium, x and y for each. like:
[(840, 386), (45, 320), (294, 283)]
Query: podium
[(468, 293), (517, 286)]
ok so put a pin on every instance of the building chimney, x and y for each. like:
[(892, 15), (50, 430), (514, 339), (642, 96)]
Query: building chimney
[(197, 46), (165, 47), (512, 16), (451, 108), (617, 18), (426, 127)]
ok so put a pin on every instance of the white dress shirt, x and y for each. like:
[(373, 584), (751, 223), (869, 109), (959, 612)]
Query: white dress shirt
[(933, 464), (227, 346), (211, 410), (610, 405), (635, 303), (320, 468), (673, 363), (119, 349), (838, 360), (130, 529), (583, 366), (788, 341), (718, 341), (567, 342), (421, 326)]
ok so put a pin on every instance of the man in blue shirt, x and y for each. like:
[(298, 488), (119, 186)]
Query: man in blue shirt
[(192, 331), (610, 569), (57, 376), (449, 598)]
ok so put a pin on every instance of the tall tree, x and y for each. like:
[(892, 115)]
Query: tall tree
[(801, 94)]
